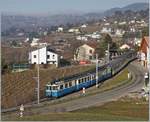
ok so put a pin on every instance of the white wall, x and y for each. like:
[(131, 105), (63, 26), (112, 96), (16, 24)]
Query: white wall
[(148, 56), (53, 57), (42, 56)]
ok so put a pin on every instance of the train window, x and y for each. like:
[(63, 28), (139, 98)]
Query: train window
[(61, 86), (48, 87), (70, 84), (55, 87), (79, 81), (66, 85), (82, 80), (88, 78), (85, 79)]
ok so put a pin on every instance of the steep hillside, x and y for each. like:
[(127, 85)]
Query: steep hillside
[(19, 88)]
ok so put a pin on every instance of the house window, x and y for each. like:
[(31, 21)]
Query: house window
[(48, 56), (34, 62), (90, 51), (53, 56), (90, 57), (34, 56)]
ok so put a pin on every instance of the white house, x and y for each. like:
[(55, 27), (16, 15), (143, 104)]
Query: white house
[(137, 41), (119, 32), (27, 39), (60, 29), (132, 29), (83, 38), (106, 24), (125, 46), (115, 22), (95, 35), (122, 23), (43, 55), (74, 30), (106, 30), (35, 43), (83, 26), (132, 22)]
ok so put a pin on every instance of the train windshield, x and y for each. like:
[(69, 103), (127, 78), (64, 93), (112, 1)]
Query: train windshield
[(48, 87), (54, 87)]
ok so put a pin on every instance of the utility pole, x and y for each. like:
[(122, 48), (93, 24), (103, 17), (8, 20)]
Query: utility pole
[(96, 70), (38, 76), (148, 57), (108, 53)]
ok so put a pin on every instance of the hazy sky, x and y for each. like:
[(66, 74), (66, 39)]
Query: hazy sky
[(59, 6)]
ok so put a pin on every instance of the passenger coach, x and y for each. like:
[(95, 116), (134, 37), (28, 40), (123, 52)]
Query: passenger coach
[(60, 88)]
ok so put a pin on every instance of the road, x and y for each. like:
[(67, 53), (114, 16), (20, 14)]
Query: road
[(93, 100)]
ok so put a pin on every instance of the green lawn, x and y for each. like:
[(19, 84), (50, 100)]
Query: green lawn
[(117, 110)]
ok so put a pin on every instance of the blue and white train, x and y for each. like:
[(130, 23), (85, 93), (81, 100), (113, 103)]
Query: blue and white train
[(66, 86), (75, 83)]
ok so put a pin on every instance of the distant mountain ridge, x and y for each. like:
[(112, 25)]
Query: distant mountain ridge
[(9, 21), (132, 7)]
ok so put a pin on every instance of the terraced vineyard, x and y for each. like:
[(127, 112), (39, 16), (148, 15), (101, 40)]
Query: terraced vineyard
[(19, 88)]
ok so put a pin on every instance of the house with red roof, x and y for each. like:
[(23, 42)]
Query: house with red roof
[(145, 51)]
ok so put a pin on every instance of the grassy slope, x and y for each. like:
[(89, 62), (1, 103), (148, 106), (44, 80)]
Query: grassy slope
[(119, 110)]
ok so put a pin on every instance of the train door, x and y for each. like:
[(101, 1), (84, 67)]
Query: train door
[(48, 91), (60, 87), (73, 82), (77, 84), (54, 90)]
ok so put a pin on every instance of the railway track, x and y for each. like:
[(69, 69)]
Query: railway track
[(99, 98)]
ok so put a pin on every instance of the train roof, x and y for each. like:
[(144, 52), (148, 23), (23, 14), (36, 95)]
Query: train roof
[(79, 75), (73, 77)]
